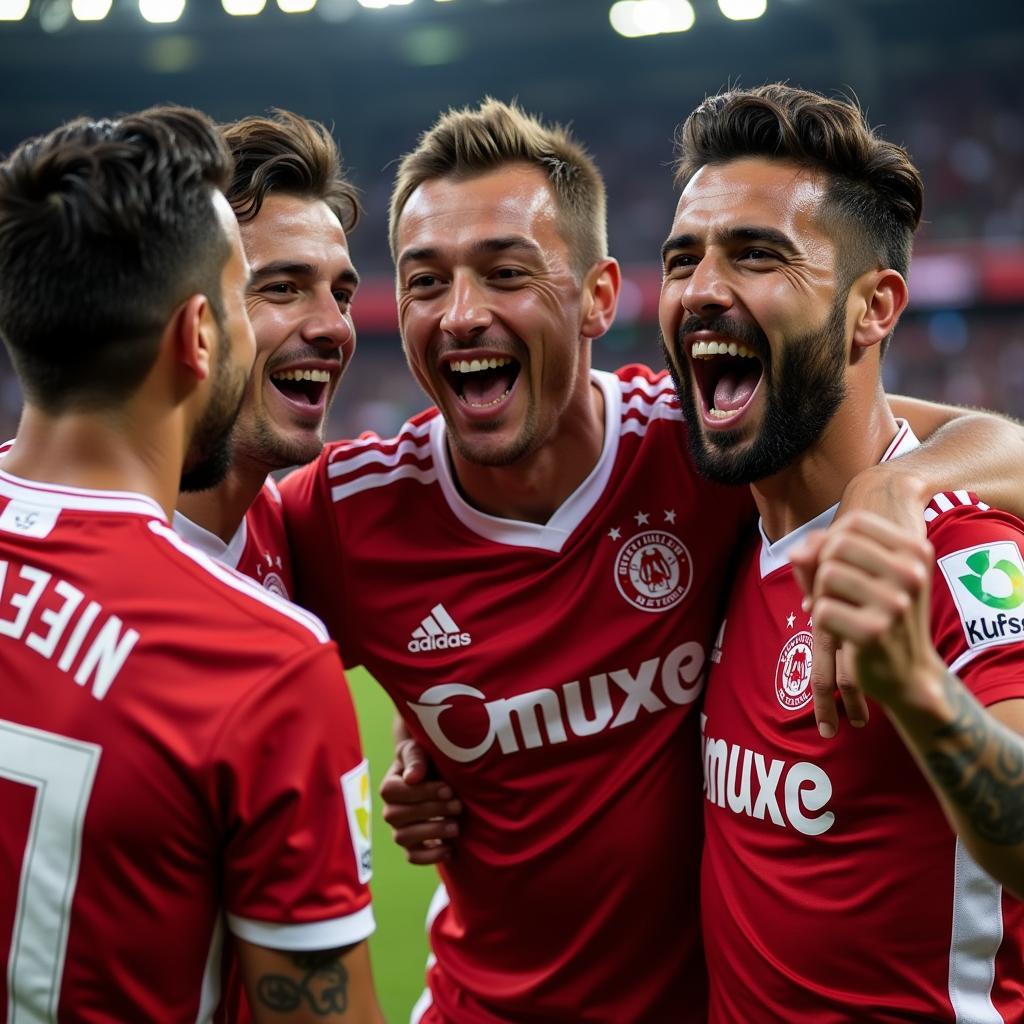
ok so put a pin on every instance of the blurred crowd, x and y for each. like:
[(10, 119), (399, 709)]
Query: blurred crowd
[(966, 136)]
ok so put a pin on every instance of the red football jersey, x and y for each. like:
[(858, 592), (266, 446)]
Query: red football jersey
[(833, 888), (259, 548), (552, 671), (177, 749)]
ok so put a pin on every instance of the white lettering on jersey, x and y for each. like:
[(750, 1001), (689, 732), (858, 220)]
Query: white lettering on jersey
[(548, 716), (748, 783), (104, 656)]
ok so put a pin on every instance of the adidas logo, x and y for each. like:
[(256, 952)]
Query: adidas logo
[(438, 632)]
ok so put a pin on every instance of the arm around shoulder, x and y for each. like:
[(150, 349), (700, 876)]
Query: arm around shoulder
[(961, 449)]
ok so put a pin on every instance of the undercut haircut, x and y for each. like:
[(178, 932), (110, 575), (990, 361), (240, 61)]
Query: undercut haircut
[(470, 142), (288, 154), (874, 193), (106, 227)]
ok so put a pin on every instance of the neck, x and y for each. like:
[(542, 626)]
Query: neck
[(103, 451), (855, 439), (221, 509), (533, 488)]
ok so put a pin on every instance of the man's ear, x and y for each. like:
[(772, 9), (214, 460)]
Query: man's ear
[(193, 330), (600, 297), (880, 297)]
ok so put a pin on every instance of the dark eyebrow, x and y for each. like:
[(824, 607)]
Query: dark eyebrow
[(753, 233), (287, 268), (484, 247)]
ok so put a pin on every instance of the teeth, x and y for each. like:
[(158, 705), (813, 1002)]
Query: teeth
[(707, 349), (719, 414), (317, 376), (476, 365), (484, 405)]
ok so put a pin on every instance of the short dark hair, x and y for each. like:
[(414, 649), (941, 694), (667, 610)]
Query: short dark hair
[(874, 194), (106, 227), (289, 154), (473, 141)]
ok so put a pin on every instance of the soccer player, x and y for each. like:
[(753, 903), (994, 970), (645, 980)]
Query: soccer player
[(833, 887), (294, 209), (532, 570), (177, 748)]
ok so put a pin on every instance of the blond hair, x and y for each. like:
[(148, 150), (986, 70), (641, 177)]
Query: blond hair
[(470, 142)]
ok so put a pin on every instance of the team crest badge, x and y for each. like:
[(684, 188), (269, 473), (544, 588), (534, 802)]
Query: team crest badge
[(793, 672), (654, 571), (272, 582)]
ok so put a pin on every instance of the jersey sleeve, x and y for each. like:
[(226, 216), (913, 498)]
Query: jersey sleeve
[(978, 600), (294, 789)]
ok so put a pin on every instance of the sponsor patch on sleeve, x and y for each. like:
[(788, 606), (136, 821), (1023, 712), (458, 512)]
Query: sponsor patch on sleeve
[(987, 584), (355, 788)]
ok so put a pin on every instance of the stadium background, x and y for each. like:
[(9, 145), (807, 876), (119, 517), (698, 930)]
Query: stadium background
[(941, 76)]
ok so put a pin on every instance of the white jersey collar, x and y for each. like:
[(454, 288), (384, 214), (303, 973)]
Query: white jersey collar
[(549, 536), (57, 497), (229, 554), (775, 556)]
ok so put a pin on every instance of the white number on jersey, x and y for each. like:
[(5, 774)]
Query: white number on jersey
[(62, 771)]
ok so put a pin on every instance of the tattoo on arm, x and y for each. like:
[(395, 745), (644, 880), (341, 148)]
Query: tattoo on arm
[(993, 799), (323, 986)]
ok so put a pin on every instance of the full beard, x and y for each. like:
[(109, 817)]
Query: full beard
[(803, 393)]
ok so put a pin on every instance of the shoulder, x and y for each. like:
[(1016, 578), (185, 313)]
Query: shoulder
[(222, 598), (371, 462), (645, 396)]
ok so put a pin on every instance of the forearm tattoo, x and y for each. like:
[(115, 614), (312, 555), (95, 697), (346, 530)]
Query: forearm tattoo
[(993, 797), (323, 986)]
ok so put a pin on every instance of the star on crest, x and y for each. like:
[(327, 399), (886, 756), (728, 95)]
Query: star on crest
[(642, 518), (615, 533), (790, 619), (670, 515)]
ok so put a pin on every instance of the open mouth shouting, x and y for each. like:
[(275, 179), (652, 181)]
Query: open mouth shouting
[(728, 378), (482, 383), (305, 390)]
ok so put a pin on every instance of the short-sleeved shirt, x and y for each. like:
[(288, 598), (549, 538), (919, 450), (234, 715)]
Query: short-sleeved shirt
[(178, 752), (552, 670), (833, 886)]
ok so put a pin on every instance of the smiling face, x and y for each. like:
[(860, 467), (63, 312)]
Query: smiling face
[(300, 304), (753, 317), (491, 311)]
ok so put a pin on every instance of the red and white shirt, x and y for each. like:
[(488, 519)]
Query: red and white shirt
[(833, 888), (177, 748), (259, 548), (553, 672)]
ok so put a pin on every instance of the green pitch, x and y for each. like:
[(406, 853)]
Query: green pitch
[(401, 892)]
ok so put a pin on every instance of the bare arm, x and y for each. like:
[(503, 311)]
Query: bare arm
[(973, 451), (309, 986), (422, 811), (870, 583)]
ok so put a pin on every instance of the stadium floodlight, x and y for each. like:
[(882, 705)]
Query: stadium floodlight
[(634, 18), (243, 8), (674, 15), (374, 5), (742, 10), (623, 16), (90, 10), (296, 6), (161, 12), (13, 10)]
